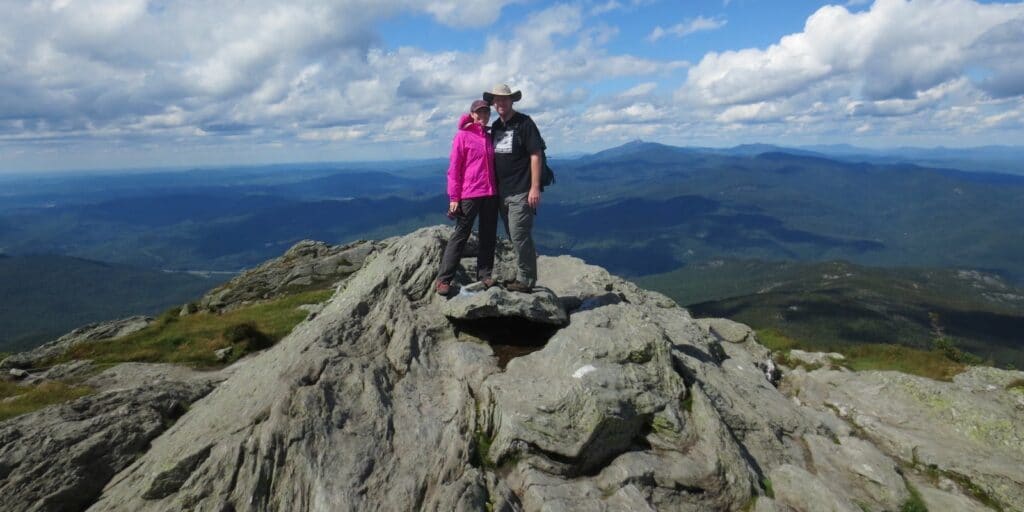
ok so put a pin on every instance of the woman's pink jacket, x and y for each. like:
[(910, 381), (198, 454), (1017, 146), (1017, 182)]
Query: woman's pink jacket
[(471, 167)]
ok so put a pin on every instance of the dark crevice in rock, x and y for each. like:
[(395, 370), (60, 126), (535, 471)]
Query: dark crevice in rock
[(574, 304), (689, 379), (170, 481), (580, 466), (508, 337), (314, 374), (694, 352), (748, 457), (237, 468)]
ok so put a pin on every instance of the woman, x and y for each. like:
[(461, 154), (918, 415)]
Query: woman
[(472, 192)]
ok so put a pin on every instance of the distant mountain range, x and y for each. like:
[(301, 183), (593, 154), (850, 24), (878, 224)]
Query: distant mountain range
[(45, 296), (995, 159), (638, 209), (832, 304)]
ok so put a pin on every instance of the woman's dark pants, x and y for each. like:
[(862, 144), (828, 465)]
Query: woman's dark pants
[(487, 209)]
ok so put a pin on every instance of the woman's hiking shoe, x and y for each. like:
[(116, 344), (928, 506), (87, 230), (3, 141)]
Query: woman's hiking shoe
[(516, 286), (443, 288)]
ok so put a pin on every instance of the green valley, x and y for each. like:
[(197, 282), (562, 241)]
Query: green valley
[(836, 305)]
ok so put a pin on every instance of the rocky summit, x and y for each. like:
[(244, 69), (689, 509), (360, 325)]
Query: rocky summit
[(391, 397)]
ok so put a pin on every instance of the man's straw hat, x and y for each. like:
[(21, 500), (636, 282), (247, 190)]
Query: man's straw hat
[(502, 90)]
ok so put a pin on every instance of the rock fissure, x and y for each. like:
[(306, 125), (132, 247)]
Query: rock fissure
[(170, 481), (385, 400)]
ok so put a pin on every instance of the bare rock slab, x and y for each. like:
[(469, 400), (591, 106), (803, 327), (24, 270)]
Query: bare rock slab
[(541, 306), (726, 330), (970, 430)]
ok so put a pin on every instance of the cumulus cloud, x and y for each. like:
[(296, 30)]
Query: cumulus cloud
[(639, 90), (698, 24), (921, 66), (604, 7), (894, 50), (315, 75), (305, 71)]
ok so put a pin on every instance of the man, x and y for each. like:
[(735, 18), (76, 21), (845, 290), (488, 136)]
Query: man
[(518, 160)]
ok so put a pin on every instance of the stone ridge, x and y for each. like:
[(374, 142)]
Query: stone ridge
[(381, 402), (308, 264), (89, 333)]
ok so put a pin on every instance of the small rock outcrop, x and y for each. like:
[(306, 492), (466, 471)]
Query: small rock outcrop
[(382, 401), (541, 306), (308, 264), (89, 333), (61, 457)]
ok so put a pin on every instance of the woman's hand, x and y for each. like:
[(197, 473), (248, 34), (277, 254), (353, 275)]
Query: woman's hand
[(453, 208)]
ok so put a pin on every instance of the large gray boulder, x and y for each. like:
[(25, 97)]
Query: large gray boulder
[(541, 306), (86, 334)]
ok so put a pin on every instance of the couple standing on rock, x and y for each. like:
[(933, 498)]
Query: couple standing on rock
[(492, 171)]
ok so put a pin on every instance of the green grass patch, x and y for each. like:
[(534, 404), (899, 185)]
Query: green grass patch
[(16, 400), (193, 339), (934, 364), (686, 403), (927, 363), (766, 484), (935, 474), (775, 340), (482, 457), (915, 503), (1016, 386)]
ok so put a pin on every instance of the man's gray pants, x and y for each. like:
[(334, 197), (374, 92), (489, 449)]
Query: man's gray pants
[(518, 216)]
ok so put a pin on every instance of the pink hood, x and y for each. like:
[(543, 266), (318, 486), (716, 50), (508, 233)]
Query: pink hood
[(471, 166)]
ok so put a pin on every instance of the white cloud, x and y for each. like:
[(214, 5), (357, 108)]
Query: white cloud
[(315, 77), (284, 75), (891, 51), (639, 90), (901, 106), (637, 113), (606, 7), (926, 68), (754, 112), (698, 24)]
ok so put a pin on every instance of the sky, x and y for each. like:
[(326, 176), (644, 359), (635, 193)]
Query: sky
[(117, 84)]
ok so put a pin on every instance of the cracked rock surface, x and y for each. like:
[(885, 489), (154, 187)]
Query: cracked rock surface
[(380, 402), (61, 457)]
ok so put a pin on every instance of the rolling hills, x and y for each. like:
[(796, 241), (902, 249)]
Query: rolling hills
[(836, 304), (45, 296), (641, 209)]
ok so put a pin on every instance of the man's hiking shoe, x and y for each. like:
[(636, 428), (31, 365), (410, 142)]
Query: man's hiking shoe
[(443, 288), (516, 286), (487, 282)]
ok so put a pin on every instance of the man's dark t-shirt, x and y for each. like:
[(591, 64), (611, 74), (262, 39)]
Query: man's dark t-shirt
[(514, 142)]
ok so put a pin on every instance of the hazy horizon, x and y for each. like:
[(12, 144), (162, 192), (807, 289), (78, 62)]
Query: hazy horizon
[(443, 157)]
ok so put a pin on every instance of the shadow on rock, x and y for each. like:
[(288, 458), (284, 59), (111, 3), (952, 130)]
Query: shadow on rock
[(509, 337)]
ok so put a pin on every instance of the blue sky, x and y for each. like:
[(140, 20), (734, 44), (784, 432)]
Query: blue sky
[(153, 83)]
